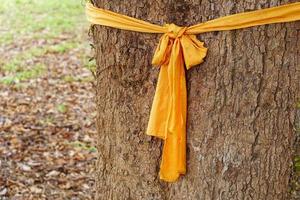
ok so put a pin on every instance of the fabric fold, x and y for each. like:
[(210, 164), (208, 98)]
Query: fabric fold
[(178, 49)]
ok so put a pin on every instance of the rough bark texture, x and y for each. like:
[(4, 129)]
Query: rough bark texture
[(241, 105)]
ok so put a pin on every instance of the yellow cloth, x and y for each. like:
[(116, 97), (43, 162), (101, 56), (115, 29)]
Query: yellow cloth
[(179, 47)]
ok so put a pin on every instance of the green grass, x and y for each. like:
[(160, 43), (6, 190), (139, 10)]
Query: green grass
[(12, 66), (27, 21), (62, 47), (70, 79), (39, 19), (90, 64), (62, 108), (23, 75), (81, 145), (297, 163), (298, 105), (15, 69)]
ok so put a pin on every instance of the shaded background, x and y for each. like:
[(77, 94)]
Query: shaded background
[(46, 101)]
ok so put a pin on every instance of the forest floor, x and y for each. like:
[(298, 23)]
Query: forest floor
[(47, 109)]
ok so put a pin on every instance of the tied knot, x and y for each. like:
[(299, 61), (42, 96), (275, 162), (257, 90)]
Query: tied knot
[(175, 31), (177, 43)]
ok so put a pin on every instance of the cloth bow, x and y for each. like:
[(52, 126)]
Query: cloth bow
[(179, 47), (168, 114)]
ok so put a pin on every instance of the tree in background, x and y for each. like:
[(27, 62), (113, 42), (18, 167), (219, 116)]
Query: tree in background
[(241, 106)]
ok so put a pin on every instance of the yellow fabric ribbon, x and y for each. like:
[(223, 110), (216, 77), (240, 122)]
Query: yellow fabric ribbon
[(179, 47)]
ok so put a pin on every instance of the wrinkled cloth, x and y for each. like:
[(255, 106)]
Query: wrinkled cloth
[(178, 48)]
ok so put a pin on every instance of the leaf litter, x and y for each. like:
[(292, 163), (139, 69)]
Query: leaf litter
[(47, 128)]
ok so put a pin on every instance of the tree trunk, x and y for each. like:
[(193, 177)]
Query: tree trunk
[(241, 106)]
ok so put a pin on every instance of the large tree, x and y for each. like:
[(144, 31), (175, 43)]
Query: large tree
[(241, 105)]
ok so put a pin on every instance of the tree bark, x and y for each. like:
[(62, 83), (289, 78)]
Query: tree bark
[(241, 105)]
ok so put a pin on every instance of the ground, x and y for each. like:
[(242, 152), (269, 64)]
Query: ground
[(46, 101)]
